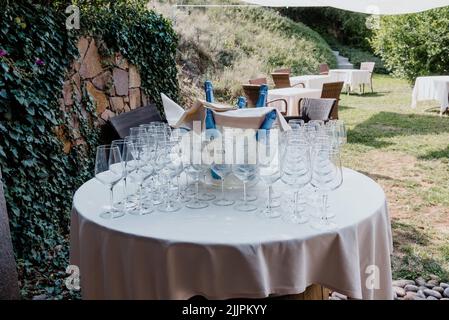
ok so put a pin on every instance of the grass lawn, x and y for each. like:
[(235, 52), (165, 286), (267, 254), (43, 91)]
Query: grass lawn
[(407, 152)]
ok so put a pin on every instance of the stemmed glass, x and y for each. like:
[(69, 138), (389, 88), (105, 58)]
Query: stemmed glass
[(170, 163), (195, 172), (268, 160), (327, 176), (125, 148), (296, 172), (143, 153), (245, 170), (223, 168), (109, 170)]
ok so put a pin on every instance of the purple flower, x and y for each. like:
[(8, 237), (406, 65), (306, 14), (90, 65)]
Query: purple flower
[(39, 62), (3, 53)]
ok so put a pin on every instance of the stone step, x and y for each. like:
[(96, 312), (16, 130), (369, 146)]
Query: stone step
[(345, 66)]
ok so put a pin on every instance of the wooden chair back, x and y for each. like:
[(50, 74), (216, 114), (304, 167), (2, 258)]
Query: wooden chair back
[(251, 92), (283, 70), (123, 122), (324, 68), (281, 80), (332, 90), (258, 81)]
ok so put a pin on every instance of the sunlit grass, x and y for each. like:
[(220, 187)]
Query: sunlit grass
[(407, 151)]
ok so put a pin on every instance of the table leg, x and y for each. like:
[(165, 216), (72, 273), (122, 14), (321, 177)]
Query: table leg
[(313, 292)]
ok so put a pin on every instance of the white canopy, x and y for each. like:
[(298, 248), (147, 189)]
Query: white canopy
[(364, 6)]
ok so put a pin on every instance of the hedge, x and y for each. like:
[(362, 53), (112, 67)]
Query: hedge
[(36, 51)]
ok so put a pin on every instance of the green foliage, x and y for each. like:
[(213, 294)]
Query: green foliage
[(36, 50), (231, 45), (145, 38), (415, 44), (335, 25)]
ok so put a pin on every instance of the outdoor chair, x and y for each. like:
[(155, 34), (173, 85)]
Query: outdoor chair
[(284, 70), (332, 90), (123, 122), (314, 109), (324, 69), (369, 66), (252, 92), (282, 80), (258, 81)]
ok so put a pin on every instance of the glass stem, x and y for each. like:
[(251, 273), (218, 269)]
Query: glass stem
[(324, 199), (222, 189), (270, 196), (179, 187), (296, 196), (197, 190), (111, 197), (244, 193), (168, 202)]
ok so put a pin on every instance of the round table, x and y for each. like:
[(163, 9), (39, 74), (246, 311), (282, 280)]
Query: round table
[(220, 253)]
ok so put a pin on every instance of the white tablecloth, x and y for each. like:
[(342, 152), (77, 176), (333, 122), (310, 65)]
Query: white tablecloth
[(351, 77), (432, 88), (292, 95), (220, 253), (311, 81)]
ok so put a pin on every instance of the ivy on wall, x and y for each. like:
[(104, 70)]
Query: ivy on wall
[(40, 177)]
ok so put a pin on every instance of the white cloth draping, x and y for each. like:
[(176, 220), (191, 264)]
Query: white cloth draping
[(224, 115), (351, 77), (311, 81), (292, 95), (221, 253), (364, 6), (432, 88)]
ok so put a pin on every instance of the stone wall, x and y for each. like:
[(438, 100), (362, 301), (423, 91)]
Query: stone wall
[(113, 83)]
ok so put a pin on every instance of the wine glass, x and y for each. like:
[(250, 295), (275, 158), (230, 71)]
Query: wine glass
[(125, 148), (296, 172), (268, 160), (195, 172), (327, 176), (109, 170), (143, 154), (170, 163), (223, 168), (245, 169)]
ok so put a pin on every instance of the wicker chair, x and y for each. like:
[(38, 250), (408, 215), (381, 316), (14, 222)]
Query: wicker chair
[(258, 81), (285, 70), (252, 95), (316, 109), (332, 90), (282, 80), (324, 69), (369, 66)]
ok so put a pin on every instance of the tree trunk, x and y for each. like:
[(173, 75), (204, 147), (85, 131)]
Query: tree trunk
[(8, 273)]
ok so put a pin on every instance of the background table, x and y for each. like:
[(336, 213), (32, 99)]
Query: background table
[(220, 253), (432, 88), (292, 95), (311, 81), (351, 77)]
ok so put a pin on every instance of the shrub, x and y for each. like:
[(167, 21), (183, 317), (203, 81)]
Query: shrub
[(40, 178), (230, 46), (415, 44)]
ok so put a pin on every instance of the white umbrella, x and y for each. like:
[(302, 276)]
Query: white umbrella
[(365, 6)]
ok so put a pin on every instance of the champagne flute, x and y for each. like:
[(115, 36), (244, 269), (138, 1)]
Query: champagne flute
[(296, 172), (327, 175), (170, 162), (109, 170), (268, 160)]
